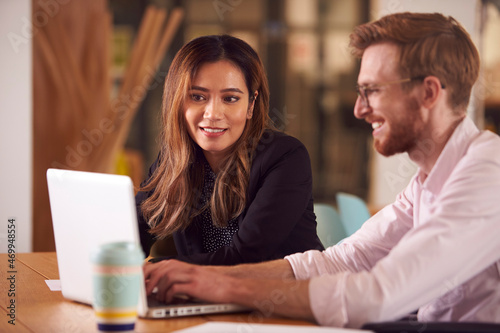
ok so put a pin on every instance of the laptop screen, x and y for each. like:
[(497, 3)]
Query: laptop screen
[(88, 209)]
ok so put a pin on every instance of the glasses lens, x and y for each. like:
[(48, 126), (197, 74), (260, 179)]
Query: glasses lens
[(362, 94)]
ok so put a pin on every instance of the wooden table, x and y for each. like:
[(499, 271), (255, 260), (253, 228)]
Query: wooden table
[(35, 308)]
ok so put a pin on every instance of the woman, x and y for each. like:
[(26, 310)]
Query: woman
[(226, 186)]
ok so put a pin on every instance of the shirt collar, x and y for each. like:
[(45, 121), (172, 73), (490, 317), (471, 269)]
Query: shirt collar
[(453, 151)]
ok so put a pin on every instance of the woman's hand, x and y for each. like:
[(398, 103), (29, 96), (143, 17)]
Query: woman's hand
[(173, 277)]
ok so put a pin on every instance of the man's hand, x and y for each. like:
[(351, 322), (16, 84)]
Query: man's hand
[(282, 296), (172, 277)]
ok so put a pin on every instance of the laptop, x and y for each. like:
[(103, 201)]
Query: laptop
[(89, 209)]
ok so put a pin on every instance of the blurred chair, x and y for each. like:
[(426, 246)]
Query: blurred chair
[(353, 212), (330, 229)]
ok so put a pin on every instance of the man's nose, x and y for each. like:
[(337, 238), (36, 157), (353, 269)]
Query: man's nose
[(361, 109)]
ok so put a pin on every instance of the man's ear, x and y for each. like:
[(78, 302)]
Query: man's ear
[(252, 105), (432, 91)]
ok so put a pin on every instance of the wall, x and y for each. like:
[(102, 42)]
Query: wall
[(390, 175), (15, 125)]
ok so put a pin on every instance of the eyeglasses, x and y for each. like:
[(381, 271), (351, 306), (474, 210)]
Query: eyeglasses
[(365, 91)]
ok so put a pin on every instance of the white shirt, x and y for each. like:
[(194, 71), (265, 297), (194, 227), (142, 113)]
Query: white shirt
[(436, 248)]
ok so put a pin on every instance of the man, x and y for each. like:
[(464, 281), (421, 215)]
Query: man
[(437, 247)]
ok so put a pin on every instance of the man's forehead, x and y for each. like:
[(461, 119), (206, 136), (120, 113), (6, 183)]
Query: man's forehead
[(379, 63)]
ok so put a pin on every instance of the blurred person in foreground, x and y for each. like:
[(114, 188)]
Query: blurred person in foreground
[(436, 249), (227, 187)]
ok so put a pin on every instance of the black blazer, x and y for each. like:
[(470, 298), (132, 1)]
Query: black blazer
[(278, 219)]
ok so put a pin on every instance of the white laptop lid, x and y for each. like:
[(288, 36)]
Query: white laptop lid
[(89, 209)]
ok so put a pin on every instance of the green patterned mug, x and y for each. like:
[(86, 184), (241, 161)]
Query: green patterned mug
[(117, 278)]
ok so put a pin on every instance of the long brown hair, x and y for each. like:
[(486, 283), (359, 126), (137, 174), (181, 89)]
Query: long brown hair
[(178, 179), (430, 44)]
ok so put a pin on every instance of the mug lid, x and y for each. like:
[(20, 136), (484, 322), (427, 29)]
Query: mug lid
[(118, 253)]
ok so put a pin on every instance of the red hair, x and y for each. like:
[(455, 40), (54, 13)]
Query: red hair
[(430, 44)]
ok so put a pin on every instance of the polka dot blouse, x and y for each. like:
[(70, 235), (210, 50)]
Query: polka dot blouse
[(214, 237)]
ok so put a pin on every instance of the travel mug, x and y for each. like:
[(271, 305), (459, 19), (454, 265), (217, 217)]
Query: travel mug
[(117, 278)]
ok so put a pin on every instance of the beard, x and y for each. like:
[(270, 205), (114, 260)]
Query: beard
[(404, 131)]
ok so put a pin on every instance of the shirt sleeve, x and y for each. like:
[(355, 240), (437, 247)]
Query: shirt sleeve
[(452, 240), (363, 249)]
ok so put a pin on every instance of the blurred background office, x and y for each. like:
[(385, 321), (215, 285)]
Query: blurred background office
[(82, 81)]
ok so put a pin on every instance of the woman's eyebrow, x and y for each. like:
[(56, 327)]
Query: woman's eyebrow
[(232, 90), (199, 88), (222, 90)]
